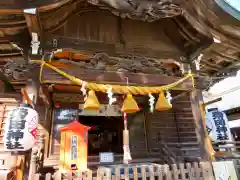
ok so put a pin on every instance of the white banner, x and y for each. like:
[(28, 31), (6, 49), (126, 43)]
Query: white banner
[(217, 126)]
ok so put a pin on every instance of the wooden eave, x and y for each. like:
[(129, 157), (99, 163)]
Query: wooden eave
[(206, 18), (17, 7)]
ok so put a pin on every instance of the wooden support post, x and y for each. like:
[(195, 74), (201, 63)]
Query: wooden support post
[(196, 99), (33, 164), (42, 148), (42, 141)]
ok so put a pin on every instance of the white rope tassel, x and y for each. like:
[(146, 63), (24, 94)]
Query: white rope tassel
[(197, 62), (111, 99), (84, 91), (151, 101), (169, 97)]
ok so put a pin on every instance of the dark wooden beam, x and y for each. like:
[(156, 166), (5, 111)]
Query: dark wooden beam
[(26, 4), (10, 53), (44, 94), (32, 22), (22, 39), (10, 97), (18, 57), (199, 49), (112, 49), (213, 101), (52, 77)]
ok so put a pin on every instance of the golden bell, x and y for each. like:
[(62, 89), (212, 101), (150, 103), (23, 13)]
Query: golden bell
[(91, 102), (129, 105), (162, 103)]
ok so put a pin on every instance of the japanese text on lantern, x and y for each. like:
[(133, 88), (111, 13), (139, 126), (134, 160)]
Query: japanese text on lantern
[(21, 129), (74, 148), (220, 124), (15, 129)]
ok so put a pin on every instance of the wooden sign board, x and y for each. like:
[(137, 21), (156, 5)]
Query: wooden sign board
[(105, 110), (106, 157)]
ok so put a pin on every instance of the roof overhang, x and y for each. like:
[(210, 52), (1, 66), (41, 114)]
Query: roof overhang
[(207, 17)]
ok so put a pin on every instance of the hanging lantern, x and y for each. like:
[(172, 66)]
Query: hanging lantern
[(91, 102), (129, 105), (21, 129), (162, 103)]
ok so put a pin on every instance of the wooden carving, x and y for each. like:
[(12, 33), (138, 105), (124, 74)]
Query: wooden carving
[(140, 9), (19, 71), (102, 61)]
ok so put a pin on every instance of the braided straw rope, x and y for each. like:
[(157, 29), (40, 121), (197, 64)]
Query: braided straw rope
[(119, 89)]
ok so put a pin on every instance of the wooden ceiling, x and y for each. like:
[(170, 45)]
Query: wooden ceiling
[(182, 30)]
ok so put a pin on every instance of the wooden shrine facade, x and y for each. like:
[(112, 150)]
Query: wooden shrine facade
[(150, 43), (164, 137)]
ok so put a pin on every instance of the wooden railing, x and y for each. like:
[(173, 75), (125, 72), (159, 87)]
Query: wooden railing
[(196, 171)]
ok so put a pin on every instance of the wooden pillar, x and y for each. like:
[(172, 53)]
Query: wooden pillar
[(42, 148), (196, 98)]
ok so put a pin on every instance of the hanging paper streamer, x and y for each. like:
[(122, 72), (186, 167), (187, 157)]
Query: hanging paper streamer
[(21, 129), (126, 150), (151, 102), (197, 61), (111, 99), (169, 97), (84, 91)]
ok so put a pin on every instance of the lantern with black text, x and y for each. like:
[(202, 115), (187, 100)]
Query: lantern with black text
[(20, 130)]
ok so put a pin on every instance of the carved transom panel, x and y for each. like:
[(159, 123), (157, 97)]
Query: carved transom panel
[(102, 61)]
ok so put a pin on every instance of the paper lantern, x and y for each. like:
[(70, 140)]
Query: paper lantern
[(162, 103), (91, 102), (74, 147), (21, 129), (129, 105)]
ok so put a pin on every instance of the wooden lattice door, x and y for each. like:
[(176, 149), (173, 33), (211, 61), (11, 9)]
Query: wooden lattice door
[(4, 110)]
